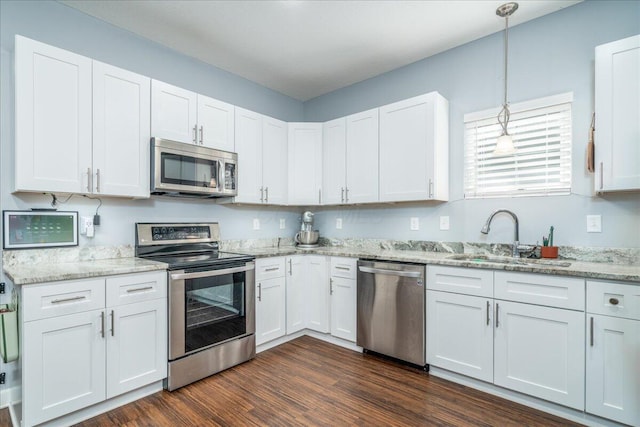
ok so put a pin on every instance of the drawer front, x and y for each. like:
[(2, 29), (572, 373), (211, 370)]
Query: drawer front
[(540, 289), (130, 288), (60, 298), (269, 268), (613, 299), (468, 281), (344, 267)]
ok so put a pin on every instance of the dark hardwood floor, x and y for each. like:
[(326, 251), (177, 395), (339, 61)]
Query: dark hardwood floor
[(5, 418), (307, 382)]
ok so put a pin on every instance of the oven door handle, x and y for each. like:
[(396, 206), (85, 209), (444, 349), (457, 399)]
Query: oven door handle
[(210, 273)]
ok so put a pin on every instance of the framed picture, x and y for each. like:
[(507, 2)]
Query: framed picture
[(39, 229)]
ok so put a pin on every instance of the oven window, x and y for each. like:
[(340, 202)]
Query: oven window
[(215, 310), (187, 170)]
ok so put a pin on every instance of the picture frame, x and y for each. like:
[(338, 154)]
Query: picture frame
[(39, 229)]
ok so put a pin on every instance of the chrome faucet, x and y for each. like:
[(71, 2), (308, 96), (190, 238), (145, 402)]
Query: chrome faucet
[(515, 252)]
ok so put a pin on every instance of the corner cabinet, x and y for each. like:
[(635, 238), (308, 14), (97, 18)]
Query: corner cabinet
[(81, 126), (85, 341), (305, 164), (414, 149), (617, 104)]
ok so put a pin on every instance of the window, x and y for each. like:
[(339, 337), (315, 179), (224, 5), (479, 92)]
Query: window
[(541, 165)]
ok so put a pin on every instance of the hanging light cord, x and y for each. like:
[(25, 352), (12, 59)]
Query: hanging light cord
[(504, 113)]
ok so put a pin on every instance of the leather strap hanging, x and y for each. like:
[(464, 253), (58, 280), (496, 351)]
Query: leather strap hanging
[(591, 146)]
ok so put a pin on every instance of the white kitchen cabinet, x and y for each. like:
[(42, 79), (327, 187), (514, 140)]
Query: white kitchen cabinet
[(261, 144), (121, 132), (414, 149), (305, 164), (184, 116), (540, 351), (617, 106), (84, 341), (296, 293), (613, 351), (317, 293), (334, 161), (362, 157), (270, 299), (343, 297), (460, 334), (53, 118)]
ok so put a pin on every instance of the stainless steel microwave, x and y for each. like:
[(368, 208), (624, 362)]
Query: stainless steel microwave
[(179, 169)]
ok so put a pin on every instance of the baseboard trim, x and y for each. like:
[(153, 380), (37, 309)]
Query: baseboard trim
[(318, 335), (10, 395)]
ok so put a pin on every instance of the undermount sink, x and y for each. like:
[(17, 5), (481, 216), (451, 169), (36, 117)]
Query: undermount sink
[(509, 260)]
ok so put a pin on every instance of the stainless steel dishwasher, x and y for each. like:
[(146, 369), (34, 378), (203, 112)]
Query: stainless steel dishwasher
[(391, 310)]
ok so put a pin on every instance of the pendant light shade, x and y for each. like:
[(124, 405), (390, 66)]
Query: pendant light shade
[(504, 144)]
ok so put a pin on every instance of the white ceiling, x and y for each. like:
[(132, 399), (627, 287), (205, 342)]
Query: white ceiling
[(305, 48)]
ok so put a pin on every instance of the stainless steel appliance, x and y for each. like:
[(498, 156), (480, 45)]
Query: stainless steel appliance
[(307, 236), (211, 299), (391, 309), (179, 169)]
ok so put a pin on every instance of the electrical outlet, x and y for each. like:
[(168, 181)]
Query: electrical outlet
[(594, 224), (444, 223), (86, 226), (283, 224), (256, 224), (415, 223), (339, 223)]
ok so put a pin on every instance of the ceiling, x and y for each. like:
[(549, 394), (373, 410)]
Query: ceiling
[(305, 48)]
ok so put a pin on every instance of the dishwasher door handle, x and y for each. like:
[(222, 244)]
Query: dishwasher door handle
[(414, 274)]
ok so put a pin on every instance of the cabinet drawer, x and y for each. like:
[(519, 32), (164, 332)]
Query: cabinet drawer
[(540, 289), (132, 288), (61, 298), (269, 268), (613, 299), (344, 267), (469, 281)]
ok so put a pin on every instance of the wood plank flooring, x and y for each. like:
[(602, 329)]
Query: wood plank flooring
[(307, 382)]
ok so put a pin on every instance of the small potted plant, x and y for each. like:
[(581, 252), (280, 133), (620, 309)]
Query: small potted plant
[(548, 250)]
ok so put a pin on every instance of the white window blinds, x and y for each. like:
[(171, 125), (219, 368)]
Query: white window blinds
[(541, 165)]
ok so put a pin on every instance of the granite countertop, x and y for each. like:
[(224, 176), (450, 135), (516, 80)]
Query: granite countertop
[(588, 270), (25, 274)]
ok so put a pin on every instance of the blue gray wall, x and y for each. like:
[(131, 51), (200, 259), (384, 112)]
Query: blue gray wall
[(550, 55)]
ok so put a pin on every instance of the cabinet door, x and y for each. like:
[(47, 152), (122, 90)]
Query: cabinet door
[(540, 351), (297, 277), (412, 161), (173, 112), (317, 293), (215, 124), (305, 163), (249, 148), (460, 334), (64, 360), (334, 161), (274, 161), (270, 309), (617, 99), (53, 119), (136, 345), (613, 368), (343, 308), (121, 131), (362, 157)]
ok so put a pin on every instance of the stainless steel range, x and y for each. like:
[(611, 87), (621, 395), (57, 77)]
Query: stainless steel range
[(211, 299)]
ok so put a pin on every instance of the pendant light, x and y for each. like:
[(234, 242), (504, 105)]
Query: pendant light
[(504, 144)]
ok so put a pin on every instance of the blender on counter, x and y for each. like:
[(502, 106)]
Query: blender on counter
[(307, 237)]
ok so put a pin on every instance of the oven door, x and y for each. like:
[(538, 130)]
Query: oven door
[(210, 307)]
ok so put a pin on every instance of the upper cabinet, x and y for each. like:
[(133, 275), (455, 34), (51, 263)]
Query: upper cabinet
[(305, 163), (184, 116), (617, 101), (261, 144), (81, 126), (334, 161), (414, 149), (362, 157)]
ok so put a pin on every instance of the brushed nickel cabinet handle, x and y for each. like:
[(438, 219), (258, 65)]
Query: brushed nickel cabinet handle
[(259, 291), (330, 286), (290, 268), (97, 180), (319, 196), (497, 314), (341, 194), (342, 268), (146, 288), (488, 308), (261, 194), (430, 188), (195, 134), (266, 194), (89, 176), (201, 135), (346, 194), (58, 301), (614, 301), (591, 331), (113, 322), (601, 175), (102, 323)]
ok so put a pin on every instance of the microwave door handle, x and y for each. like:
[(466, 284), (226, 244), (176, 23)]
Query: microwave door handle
[(220, 181), (210, 273)]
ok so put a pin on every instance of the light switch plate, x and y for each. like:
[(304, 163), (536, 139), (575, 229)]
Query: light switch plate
[(283, 224), (594, 223), (256, 224), (415, 223), (339, 223), (444, 223)]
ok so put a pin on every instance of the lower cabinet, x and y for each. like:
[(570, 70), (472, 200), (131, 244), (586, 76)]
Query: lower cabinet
[(297, 277), (270, 299), (342, 288), (87, 341), (307, 293)]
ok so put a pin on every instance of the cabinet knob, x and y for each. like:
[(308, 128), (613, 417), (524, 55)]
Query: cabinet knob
[(613, 301)]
